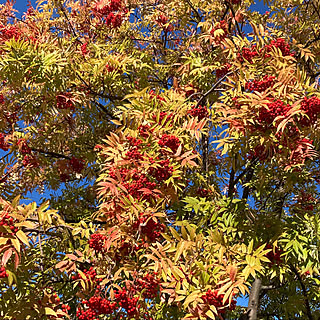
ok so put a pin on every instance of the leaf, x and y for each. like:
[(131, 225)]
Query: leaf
[(16, 244), (6, 256), (22, 237), (49, 312)]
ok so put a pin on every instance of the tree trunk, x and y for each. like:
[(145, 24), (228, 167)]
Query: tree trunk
[(253, 305)]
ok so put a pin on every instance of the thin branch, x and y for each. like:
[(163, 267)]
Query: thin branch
[(213, 88), (51, 153), (304, 292), (194, 10)]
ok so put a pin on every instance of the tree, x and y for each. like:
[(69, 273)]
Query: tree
[(175, 148)]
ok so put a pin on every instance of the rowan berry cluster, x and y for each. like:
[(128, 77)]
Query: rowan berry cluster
[(275, 255), (2, 100), (162, 19), (149, 227), (8, 221), (169, 141), (129, 304), (235, 1), (222, 27), (260, 85), (162, 172), (23, 146), (201, 112), (144, 131), (248, 54), (84, 49), (139, 181), (153, 95), (215, 299), (3, 144), (94, 307), (306, 201), (30, 161), (76, 164), (134, 142), (164, 118), (282, 45), (221, 72), (8, 32), (134, 153), (111, 14), (65, 308), (203, 193), (148, 285), (97, 241), (311, 107), (3, 273), (88, 275), (64, 101), (273, 110)]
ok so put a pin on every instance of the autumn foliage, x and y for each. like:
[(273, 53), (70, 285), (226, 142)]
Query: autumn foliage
[(172, 149)]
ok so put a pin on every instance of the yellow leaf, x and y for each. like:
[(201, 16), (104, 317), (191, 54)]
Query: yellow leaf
[(22, 237), (50, 312)]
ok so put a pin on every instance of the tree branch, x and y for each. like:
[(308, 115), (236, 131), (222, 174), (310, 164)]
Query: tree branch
[(304, 292)]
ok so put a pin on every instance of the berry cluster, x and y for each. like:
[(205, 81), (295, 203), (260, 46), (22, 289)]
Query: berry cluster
[(201, 112), (275, 255), (65, 308), (97, 241), (111, 14), (2, 100), (134, 153), (139, 181), (282, 45), (3, 273), (203, 193), (235, 1), (260, 85), (221, 72), (162, 20), (144, 131), (95, 307), (65, 101), (311, 107), (134, 182), (273, 110), (148, 285), (76, 164), (8, 32), (129, 304), (162, 172), (89, 275), (149, 227), (8, 221), (215, 299), (219, 31), (3, 144), (134, 142), (248, 54), (169, 141), (84, 49), (164, 118), (30, 161), (23, 146), (306, 201)]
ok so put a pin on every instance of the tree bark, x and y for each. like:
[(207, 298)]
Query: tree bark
[(253, 305)]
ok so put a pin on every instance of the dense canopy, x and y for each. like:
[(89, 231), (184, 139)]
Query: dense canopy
[(172, 147)]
